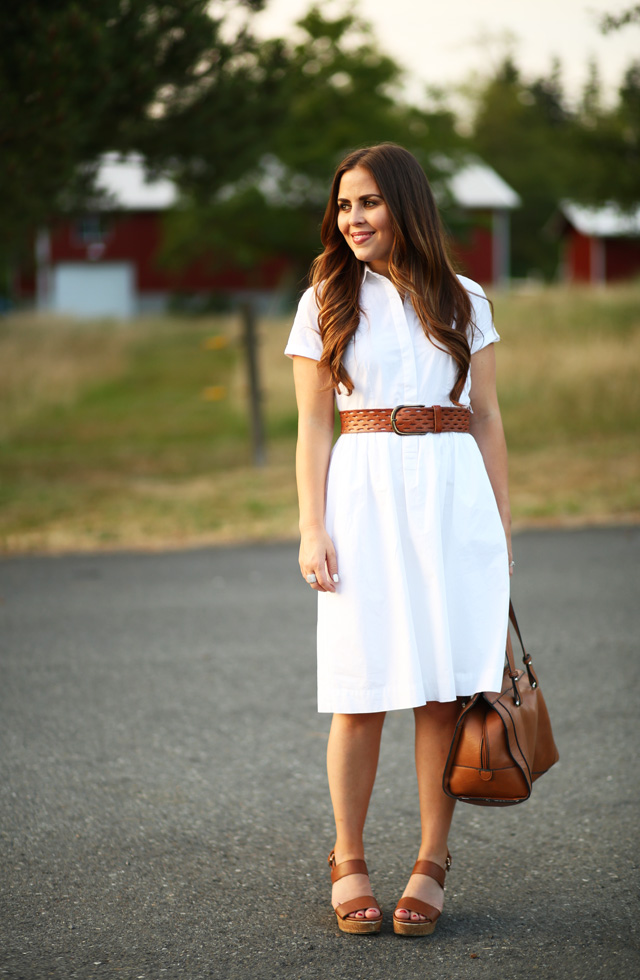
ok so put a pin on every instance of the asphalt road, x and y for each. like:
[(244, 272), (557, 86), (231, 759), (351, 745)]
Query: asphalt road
[(163, 802)]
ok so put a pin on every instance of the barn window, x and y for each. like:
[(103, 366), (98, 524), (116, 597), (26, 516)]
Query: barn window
[(90, 229)]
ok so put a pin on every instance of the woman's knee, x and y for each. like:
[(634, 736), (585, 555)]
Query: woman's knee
[(362, 723)]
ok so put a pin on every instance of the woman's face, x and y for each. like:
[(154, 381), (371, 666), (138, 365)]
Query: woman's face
[(364, 219)]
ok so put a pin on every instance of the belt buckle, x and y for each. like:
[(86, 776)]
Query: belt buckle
[(394, 424)]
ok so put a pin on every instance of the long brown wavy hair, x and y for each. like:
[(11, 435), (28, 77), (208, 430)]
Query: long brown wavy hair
[(419, 265)]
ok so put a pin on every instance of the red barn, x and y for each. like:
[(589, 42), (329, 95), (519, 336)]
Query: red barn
[(106, 263), (600, 245), (485, 200)]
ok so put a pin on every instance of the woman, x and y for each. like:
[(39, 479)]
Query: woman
[(405, 525)]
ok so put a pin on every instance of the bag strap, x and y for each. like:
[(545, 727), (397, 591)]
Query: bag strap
[(514, 623), (526, 659)]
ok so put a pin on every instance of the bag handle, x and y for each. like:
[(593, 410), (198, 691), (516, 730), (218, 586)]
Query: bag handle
[(526, 659)]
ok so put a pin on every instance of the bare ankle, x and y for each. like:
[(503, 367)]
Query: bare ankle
[(437, 855), (348, 852)]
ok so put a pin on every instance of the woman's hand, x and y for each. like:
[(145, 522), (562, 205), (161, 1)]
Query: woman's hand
[(318, 557)]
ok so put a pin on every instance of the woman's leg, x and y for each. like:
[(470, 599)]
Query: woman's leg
[(435, 723), (352, 761)]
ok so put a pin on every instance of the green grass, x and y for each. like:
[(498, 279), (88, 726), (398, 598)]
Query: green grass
[(109, 436), (568, 372), (568, 380)]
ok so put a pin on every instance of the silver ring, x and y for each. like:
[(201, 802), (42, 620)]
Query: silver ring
[(311, 578), (511, 564)]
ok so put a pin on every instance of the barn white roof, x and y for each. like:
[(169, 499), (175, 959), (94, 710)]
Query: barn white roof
[(473, 184), (608, 221), (123, 179)]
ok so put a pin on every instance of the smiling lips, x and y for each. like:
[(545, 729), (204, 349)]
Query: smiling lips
[(360, 237)]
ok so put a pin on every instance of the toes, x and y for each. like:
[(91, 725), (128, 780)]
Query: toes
[(365, 914), (406, 916)]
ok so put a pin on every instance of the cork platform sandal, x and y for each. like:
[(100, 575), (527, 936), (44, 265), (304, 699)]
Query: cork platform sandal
[(342, 911), (404, 927)]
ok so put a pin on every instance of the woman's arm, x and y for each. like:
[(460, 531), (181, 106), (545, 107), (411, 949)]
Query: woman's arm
[(315, 437), (486, 428)]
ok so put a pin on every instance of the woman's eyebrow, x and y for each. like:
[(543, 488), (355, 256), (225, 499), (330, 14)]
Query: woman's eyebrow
[(363, 197)]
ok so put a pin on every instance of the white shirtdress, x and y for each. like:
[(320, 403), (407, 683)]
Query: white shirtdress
[(421, 610)]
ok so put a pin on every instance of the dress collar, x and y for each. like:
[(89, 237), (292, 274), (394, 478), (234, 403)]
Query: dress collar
[(369, 271)]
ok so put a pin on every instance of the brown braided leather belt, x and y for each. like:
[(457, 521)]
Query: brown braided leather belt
[(406, 420)]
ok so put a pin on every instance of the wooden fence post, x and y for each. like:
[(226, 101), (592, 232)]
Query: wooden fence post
[(250, 338)]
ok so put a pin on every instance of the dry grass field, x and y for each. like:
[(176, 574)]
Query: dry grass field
[(136, 435)]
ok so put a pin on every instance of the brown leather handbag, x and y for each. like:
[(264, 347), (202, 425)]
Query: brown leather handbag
[(503, 740)]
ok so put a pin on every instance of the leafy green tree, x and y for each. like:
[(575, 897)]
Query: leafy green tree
[(78, 79), (525, 130), (332, 90), (609, 137), (548, 151), (607, 145), (629, 116), (613, 22)]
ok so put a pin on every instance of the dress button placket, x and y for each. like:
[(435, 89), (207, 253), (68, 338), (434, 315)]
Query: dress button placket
[(409, 374)]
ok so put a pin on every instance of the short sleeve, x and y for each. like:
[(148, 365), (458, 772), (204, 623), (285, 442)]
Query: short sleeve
[(484, 331), (304, 339)]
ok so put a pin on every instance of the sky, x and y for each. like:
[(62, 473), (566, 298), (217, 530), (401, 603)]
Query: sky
[(444, 42)]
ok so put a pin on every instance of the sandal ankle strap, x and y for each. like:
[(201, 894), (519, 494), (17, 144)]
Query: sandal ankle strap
[(432, 870), (338, 871)]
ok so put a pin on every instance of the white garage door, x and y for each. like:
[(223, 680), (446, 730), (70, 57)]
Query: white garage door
[(104, 289)]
